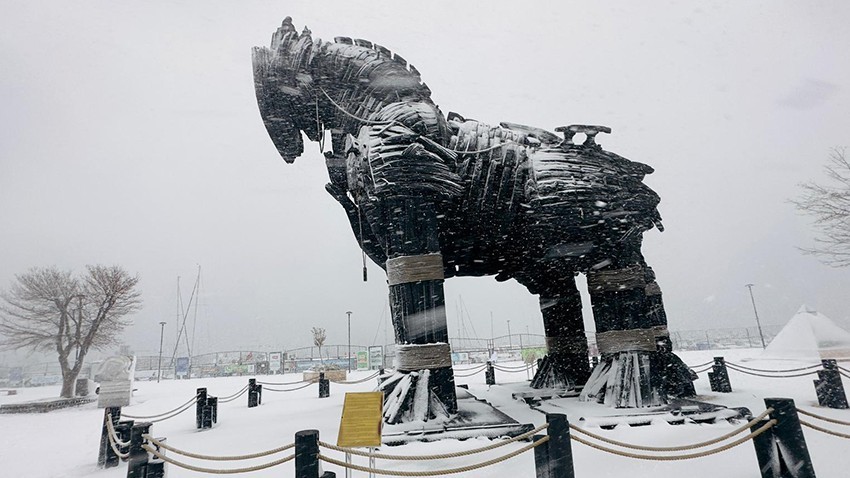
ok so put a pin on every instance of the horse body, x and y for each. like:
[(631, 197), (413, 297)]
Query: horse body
[(430, 197)]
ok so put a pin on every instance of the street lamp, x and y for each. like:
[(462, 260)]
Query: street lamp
[(159, 367), (510, 345), (750, 286), (349, 340)]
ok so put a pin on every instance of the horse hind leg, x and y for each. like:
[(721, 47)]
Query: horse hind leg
[(566, 365)]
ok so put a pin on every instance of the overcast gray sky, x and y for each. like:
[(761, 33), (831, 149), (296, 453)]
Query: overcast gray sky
[(129, 134)]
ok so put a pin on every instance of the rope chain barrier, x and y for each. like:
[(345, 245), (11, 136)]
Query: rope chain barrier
[(476, 372), (675, 448), (824, 430), (146, 417), (282, 383), (113, 439), (448, 471), (269, 389), (826, 419), (800, 369), (216, 471), (687, 456), (701, 365), (261, 454), (178, 412), (351, 382), (113, 434), (842, 368), (434, 457), (702, 370), (236, 395), (755, 374)]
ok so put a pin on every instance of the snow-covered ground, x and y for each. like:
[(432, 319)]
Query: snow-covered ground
[(64, 443)]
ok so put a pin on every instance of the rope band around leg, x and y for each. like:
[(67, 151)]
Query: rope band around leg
[(406, 269), (422, 357)]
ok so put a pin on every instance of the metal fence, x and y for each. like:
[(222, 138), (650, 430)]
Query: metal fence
[(465, 350)]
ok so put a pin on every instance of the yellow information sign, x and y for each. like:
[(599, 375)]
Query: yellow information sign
[(361, 421)]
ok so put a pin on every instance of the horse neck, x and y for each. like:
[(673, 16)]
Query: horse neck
[(346, 77)]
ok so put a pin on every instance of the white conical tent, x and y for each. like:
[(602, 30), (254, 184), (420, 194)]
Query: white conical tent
[(810, 335)]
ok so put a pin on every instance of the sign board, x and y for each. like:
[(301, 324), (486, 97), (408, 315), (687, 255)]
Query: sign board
[(376, 357), (275, 362), (181, 367), (360, 425), (115, 375), (362, 360)]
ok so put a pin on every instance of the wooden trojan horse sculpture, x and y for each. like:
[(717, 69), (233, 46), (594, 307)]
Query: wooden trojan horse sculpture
[(430, 197)]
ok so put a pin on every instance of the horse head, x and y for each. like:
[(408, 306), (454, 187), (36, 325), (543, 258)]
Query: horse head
[(284, 87)]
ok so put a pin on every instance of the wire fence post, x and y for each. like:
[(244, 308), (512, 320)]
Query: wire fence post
[(541, 458), (137, 462), (559, 447), (106, 458), (781, 451), (718, 378), (828, 386), (490, 374)]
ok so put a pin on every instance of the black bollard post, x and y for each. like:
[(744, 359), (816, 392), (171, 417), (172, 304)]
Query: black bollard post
[(259, 394), (307, 454), (828, 386), (106, 458), (212, 406), (324, 386), (541, 458), (560, 448), (781, 451), (156, 466), (490, 374), (719, 376), (253, 399), (137, 462), (199, 408)]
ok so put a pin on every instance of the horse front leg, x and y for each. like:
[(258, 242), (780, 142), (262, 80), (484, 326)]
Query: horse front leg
[(638, 367), (422, 388)]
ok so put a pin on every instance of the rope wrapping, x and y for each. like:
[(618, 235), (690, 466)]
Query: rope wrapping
[(215, 471), (675, 448), (435, 457), (261, 454), (449, 471), (824, 430), (143, 417), (422, 357), (826, 419), (686, 456)]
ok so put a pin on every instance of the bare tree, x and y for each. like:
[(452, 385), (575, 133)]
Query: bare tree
[(49, 309), (319, 337), (829, 204)]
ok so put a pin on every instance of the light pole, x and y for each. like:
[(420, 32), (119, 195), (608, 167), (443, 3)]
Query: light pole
[(159, 367), (750, 286), (510, 345), (349, 341)]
